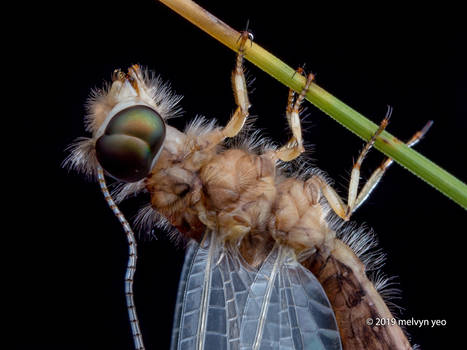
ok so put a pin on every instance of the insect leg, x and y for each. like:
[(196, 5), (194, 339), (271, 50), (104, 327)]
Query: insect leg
[(294, 147), (355, 175), (337, 204), (334, 200), (239, 86), (375, 178), (355, 198), (240, 93)]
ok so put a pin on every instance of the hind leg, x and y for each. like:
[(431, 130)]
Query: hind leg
[(355, 198), (375, 178)]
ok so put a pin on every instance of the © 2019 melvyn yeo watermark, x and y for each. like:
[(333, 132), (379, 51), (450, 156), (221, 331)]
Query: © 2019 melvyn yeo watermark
[(411, 322)]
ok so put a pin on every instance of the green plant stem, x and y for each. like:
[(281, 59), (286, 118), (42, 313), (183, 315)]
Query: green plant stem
[(345, 115)]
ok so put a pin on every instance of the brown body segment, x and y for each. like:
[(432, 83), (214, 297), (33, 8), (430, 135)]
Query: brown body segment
[(355, 301)]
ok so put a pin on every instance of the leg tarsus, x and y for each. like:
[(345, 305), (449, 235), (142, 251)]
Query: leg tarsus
[(355, 198), (355, 175), (294, 147), (375, 178)]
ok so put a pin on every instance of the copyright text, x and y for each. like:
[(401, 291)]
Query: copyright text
[(412, 322)]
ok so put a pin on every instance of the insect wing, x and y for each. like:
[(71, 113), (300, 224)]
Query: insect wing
[(224, 304), (213, 290), (287, 308)]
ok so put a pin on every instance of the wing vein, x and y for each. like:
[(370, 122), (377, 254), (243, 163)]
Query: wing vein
[(265, 303), (205, 296)]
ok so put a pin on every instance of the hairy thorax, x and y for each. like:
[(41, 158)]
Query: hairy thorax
[(241, 196)]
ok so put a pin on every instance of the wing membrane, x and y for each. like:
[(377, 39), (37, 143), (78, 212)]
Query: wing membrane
[(191, 250), (224, 304)]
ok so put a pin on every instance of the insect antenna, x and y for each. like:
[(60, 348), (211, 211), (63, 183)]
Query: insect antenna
[(131, 266)]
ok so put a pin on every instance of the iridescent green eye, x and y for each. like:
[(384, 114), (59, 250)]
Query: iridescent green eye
[(131, 142)]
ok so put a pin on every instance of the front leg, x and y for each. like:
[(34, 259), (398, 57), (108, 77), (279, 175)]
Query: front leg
[(239, 86), (240, 93)]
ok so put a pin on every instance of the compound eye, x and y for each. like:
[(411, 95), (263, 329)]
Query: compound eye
[(131, 143)]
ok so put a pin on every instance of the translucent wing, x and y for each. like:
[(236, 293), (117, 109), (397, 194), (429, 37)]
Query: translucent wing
[(224, 304)]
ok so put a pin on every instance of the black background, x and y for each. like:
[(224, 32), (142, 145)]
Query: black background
[(65, 273)]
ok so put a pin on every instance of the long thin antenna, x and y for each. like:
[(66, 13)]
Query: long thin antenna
[(131, 266)]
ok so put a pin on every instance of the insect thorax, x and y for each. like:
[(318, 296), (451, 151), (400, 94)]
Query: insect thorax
[(198, 182), (235, 192)]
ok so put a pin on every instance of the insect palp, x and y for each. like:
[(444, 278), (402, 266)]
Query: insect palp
[(118, 75)]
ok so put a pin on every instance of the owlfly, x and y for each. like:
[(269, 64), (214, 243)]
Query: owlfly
[(271, 262)]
